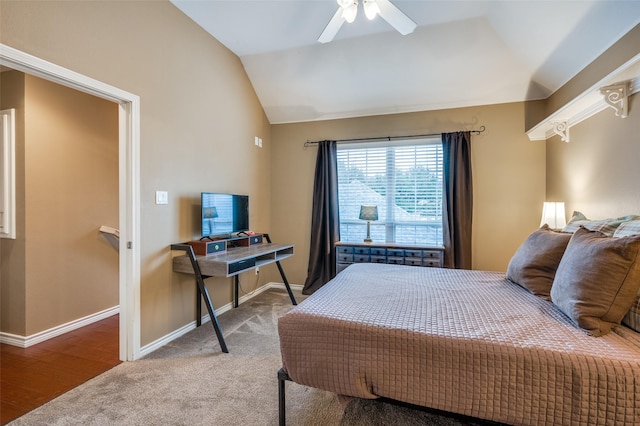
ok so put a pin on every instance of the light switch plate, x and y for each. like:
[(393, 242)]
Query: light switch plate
[(162, 197)]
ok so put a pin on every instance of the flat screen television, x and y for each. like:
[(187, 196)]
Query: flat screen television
[(224, 213)]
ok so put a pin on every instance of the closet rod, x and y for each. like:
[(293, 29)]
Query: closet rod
[(390, 138)]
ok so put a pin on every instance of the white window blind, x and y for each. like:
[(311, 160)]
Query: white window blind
[(402, 178)]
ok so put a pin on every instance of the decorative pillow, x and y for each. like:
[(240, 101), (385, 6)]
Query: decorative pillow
[(597, 279), (632, 319), (631, 227), (534, 264), (606, 226)]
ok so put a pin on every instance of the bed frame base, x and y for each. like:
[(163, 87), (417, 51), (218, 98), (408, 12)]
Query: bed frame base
[(282, 378)]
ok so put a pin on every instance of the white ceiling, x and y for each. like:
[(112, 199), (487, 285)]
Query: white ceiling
[(463, 52)]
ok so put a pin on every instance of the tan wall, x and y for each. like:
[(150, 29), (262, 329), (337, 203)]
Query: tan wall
[(508, 176), (597, 173), (199, 117), (60, 268), (12, 255), (71, 172)]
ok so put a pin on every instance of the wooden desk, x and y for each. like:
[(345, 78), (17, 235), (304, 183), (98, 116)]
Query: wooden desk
[(229, 263), (235, 260)]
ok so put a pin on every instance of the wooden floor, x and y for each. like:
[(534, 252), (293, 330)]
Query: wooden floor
[(32, 376)]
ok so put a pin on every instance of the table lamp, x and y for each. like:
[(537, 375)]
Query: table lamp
[(368, 213), (553, 215)]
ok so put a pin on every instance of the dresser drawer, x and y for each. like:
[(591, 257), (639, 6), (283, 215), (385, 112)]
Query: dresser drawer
[(434, 263), (361, 258), (378, 251), (413, 253), (344, 257), (394, 260), (431, 254), (344, 249), (378, 259), (413, 261), (361, 250), (395, 252)]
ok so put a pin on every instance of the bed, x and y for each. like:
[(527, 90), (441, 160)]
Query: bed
[(466, 342)]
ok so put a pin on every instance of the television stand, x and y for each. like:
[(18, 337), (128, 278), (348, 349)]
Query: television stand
[(242, 254)]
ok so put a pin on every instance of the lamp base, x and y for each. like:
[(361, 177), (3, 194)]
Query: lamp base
[(368, 238)]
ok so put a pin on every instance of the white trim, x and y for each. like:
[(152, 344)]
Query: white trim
[(590, 102), (8, 173), (129, 182), (156, 344), (25, 342)]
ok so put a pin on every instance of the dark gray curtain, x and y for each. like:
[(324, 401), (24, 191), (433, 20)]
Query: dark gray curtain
[(325, 220), (457, 202)]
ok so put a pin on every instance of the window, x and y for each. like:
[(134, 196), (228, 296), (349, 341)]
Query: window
[(402, 178)]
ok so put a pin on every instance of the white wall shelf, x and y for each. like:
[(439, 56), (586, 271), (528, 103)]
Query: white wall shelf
[(591, 102)]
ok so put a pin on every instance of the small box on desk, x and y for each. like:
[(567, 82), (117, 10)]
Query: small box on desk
[(203, 247), (249, 241)]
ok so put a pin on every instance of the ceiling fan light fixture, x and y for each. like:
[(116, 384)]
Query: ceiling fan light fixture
[(348, 9), (371, 8), (349, 13)]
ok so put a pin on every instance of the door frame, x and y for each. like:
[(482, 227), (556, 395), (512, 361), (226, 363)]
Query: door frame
[(129, 182)]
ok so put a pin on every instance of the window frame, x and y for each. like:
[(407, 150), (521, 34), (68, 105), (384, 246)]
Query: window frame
[(392, 225)]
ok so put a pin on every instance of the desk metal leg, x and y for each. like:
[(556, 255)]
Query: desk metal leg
[(202, 290), (198, 305), (284, 277), (236, 284), (212, 315), (286, 284)]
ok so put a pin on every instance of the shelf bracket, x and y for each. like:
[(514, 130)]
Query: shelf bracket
[(617, 97), (561, 128)]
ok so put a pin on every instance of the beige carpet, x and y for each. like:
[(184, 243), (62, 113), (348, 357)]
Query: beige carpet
[(190, 382)]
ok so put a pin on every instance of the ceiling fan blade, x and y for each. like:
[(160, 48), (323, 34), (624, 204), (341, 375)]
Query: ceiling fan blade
[(395, 17), (332, 27)]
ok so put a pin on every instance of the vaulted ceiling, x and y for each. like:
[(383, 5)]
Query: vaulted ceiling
[(462, 53)]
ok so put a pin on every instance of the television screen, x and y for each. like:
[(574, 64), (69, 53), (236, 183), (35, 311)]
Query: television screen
[(224, 213)]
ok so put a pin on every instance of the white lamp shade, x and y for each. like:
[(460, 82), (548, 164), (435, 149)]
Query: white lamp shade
[(553, 215)]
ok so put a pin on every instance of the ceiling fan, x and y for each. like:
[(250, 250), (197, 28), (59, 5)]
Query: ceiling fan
[(348, 9)]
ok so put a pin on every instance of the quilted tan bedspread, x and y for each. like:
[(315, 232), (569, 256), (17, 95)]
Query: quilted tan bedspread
[(468, 342)]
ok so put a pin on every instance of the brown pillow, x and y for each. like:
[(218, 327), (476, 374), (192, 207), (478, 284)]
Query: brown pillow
[(597, 279), (534, 264)]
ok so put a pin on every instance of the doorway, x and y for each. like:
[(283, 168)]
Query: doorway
[(129, 182)]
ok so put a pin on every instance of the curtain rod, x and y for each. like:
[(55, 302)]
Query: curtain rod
[(390, 138)]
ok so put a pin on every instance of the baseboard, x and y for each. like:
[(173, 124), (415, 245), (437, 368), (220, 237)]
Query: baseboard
[(283, 287), (26, 341), (156, 344)]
